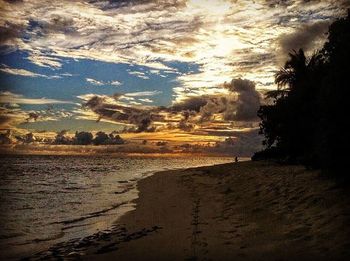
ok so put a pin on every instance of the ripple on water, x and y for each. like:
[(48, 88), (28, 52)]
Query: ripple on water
[(47, 200)]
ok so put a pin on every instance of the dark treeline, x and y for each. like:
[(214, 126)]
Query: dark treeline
[(87, 138), (306, 122), (62, 138)]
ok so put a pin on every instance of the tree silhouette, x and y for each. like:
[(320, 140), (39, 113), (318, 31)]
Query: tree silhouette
[(305, 122), (101, 138), (83, 138)]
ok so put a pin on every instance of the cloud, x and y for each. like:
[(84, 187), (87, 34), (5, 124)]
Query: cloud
[(224, 38), (100, 83), (240, 104), (32, 116), (194, 103), (144, 93), (12, 98), (110, 108), (185, 125), (67, 74), (220, 40), (139, 75), (146, 100), (14, 118), (22, 72), (94, 82), (248, 100), (9, 33), (308, 37), (239, 143), (115, 83), (11, 117), (44, 60)]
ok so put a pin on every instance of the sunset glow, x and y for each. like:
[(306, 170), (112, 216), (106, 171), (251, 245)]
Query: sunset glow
[(171, 64)]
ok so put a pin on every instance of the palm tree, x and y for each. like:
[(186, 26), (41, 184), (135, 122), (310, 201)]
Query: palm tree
[(287, 78), (295, 73), (290, 119), (306, 122)]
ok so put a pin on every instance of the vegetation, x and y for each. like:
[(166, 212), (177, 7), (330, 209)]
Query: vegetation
[(87, 138), (306, 121)]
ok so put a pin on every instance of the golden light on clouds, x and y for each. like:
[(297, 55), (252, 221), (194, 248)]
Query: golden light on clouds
[(213, 34), (206, 62)]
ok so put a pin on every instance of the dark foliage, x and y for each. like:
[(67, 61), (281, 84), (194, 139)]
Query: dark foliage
[(87, 138), (101, 138), (83, 138), (306, 121)]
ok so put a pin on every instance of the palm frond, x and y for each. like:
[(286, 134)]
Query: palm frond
[(276, 94), (284, 77)]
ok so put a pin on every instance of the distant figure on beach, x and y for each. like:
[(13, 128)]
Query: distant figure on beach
[(236, 159)]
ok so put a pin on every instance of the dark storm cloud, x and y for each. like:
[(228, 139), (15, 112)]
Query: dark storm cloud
[(155, 5), (9, 32), (57, 23), (142, 120), (243, 143), (248, 101), (185, 126), (241, 104), (4, 119), (216, 104), (140, 117), (277, 3), (5, 138), (184, 123), (305, 37), (32, 116), (14, 1), (204, 106), (194, 103)]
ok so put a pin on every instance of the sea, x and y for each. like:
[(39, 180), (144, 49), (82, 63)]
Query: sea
[(45, 200)]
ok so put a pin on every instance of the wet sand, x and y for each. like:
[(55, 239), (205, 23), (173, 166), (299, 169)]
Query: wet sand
[(238, 211)]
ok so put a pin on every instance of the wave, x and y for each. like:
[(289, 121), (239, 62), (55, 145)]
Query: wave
[(90, 215), (38, 240)]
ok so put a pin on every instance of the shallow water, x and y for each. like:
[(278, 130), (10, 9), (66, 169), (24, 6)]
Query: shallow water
[(51, 199)]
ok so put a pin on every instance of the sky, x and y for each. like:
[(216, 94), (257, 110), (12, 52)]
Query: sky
[(196, 67)]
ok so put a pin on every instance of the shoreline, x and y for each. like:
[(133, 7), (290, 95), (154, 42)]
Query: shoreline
[(72, 228), (96, 153), (246, 210)]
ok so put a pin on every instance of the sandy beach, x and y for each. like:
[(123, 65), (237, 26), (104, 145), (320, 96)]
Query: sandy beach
[(236, 211)]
